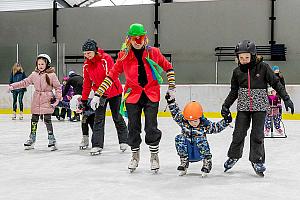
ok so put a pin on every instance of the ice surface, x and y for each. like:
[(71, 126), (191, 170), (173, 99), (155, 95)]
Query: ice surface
[(70, 173)]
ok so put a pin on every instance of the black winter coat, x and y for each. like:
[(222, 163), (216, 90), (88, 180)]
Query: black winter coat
[(249, 86), (76, 81)]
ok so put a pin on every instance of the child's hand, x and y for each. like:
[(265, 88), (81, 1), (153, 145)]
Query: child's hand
[(9, 88), (69, 98), (169, 98)]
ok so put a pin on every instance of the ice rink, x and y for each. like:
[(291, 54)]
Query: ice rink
[(72, 174)]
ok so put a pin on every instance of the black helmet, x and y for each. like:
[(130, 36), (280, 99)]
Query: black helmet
[(245, 46), (90, 45)]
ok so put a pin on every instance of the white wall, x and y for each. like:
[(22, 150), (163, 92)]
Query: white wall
[(210, 96)]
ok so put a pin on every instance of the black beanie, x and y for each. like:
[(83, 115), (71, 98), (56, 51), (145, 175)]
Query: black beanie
[(89, 45)]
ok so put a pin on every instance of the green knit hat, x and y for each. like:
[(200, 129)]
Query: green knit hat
[(136, 30)]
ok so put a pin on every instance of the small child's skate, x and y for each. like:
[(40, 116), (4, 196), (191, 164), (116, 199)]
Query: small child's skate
[(207, 165), (95, 151), (259, 168), (123, 147), (230, 162), (52, 143), (279, 131), (21, 116), (84, 142), (154, 162), (134, 162), (184, 164), (29, 144)]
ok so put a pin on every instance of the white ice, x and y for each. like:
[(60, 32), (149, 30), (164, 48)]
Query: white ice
[(70, 173)]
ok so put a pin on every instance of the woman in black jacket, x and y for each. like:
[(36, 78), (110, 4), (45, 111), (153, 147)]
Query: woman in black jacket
[(17, 74), (249, 85)]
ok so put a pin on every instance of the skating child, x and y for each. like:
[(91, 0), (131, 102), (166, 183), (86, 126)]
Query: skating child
[(44, 100), (273, 113), (88, 116), (192, 144), (249, 86), (66, 99)]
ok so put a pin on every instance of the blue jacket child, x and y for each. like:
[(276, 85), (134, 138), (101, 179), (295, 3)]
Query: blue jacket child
[(192, 144)]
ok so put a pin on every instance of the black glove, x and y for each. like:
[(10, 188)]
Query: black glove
[(289, 104), (228, 118), (169, 98), (102, 101), (84, 106), (225, 111)]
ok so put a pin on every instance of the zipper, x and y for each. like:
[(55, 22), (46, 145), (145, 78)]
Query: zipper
[(249, 93)]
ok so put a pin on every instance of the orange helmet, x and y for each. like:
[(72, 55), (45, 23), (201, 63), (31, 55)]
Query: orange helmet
[(192, 111)]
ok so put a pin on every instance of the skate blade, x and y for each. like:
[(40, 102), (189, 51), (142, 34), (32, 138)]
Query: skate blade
[(28, 148), (54, 148), (204, 175), (83, 147), (123, 150), (182, 173), (155, 171), (131, 170), (95, 153), (226, 169)]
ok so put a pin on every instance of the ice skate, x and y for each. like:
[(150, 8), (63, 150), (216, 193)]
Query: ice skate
[(84, 142), (207, 165), (267, 132), (95, 151), (279, 131), (182, 168), (259, 168), (134, 162), (123, 147), (29, 144), (52, 143), (154, 162), (14, 116), (21, 116), (230, 163)]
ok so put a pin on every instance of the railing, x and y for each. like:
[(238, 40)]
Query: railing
[(113, 53), (275, 52)]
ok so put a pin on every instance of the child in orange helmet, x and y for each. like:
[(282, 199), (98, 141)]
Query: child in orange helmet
[(192, 144)]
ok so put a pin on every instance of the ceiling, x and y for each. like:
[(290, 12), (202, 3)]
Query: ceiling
[(14, 5)]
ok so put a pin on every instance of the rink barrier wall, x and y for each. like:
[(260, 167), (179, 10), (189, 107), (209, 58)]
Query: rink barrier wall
[(211, 97)]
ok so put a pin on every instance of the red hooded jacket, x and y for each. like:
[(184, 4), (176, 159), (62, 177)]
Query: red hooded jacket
[(94, 72), (129, 65)]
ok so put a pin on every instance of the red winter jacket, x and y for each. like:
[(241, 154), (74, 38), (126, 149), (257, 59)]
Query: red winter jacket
[(94, 72), (129, 65)]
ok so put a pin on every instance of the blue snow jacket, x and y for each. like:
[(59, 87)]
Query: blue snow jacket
[(194, 136)]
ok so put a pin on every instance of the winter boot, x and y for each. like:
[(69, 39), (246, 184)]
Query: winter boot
[(184, 164), (135, 158), (123, 147), (230, 163), (207, 165), (95, 151), (154, 162), (14, 116), (259, 168), (21, 116), (52, 142), (29, 144), (84, 142)]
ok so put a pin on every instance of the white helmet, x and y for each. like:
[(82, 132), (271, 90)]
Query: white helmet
[(43, 55)]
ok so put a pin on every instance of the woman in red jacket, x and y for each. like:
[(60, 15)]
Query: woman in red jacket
[(95, 69), (138, 60)]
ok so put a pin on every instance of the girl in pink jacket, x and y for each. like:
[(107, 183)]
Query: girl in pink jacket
[(44, 100)]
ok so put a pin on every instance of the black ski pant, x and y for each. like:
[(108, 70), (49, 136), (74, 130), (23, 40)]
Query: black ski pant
[(99, 122), (153, 134), (16, 94), (242, 124), (86, 122)]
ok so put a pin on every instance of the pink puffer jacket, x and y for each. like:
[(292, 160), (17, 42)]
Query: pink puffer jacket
[(41, 100)]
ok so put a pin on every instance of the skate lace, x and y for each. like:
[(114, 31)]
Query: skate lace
[(206, 164)]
